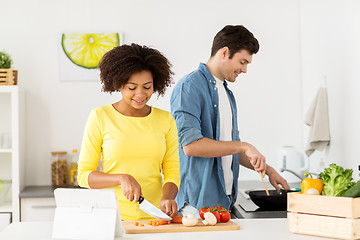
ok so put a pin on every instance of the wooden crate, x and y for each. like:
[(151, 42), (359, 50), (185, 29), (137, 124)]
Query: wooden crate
[(8, 77), (325, 216)]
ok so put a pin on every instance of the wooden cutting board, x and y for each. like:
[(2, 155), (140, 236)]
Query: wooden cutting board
[(129, 227)]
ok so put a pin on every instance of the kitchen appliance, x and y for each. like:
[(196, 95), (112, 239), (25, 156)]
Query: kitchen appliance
[(244, 207), (277, 199), (292, 163), (153, 211)]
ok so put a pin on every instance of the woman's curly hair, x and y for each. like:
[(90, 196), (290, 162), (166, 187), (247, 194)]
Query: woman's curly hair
[(120, 63)]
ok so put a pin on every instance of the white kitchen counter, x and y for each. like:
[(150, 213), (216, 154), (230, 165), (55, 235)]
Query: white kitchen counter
[(249, 229)]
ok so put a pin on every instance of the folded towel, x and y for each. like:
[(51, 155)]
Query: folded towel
[(317, 118)]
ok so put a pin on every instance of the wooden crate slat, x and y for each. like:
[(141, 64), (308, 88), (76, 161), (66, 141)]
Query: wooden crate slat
[(324, 205), (324, 226), (325, 216), (356, 207)]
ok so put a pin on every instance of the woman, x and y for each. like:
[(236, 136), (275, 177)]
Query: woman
[(138, 143)]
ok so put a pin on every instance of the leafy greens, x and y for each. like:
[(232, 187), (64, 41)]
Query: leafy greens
[(336, 180)]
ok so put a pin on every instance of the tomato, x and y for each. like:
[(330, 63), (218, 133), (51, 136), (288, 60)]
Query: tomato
[(217, 215), (202, 212), (210, 209), (225, 216), (218, 208)]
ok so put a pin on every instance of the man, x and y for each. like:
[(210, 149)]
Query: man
[(206, 116)]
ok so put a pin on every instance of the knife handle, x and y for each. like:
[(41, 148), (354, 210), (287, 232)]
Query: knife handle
[(141, 199)]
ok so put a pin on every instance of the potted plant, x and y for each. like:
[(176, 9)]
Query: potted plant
[(7, 75)]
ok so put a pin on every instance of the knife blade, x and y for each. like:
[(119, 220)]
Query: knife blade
[(153, 211)]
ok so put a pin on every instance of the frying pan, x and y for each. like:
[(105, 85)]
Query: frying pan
[(277, 199)]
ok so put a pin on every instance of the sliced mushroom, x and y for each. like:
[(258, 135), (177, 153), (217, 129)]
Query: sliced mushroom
[(210, 219), (189, 220)]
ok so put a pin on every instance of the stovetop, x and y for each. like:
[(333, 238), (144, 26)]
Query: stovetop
[(245, 202), (245, 208)]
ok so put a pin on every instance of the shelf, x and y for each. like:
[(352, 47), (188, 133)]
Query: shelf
[(8, 88), (6, 150), (6, 207), (10, 168)]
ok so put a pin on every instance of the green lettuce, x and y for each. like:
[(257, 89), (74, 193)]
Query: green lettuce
[(336, 180)]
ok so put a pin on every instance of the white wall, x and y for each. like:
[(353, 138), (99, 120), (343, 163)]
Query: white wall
[(330, 50), (270, 97)]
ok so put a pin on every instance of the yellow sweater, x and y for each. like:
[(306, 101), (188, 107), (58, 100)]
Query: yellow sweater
[(144, 147)]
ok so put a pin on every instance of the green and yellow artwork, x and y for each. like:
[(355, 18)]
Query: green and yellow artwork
[(86, 50), (81, 53)]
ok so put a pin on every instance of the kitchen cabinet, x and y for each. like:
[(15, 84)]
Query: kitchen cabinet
[(4, 220), (9, 149), (37, 209), (37, 203)]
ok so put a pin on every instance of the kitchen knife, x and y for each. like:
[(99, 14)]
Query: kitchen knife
[(153, 211)]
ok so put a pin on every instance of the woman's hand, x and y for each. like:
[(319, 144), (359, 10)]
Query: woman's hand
[(130, 187), (167, 202), (169, 207)]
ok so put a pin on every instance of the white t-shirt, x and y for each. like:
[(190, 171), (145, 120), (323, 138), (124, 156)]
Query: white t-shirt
[(225, 132)]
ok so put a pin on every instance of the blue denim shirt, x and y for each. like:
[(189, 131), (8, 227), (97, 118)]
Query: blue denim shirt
[(194, 105)]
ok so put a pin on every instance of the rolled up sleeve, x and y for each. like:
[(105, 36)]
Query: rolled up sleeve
[(186, 109)]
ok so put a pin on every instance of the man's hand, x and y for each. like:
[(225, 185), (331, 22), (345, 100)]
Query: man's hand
[(169, 207), (256, 159), (275, 179), (130, 187)]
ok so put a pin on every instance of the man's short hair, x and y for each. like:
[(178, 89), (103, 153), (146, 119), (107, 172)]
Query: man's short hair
[(236, 38)]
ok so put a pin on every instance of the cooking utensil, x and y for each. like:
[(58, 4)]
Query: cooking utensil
[(153, 211), (277, 199), (262, 178)]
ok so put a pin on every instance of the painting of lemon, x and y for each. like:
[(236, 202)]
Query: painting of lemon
[(86, 50)]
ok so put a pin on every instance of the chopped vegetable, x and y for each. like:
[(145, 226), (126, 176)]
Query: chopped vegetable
[(157, 222), (210, 219), (336, 180), (177, 220), (162, 222), (136, 223), (311, 186), (189, 220)]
